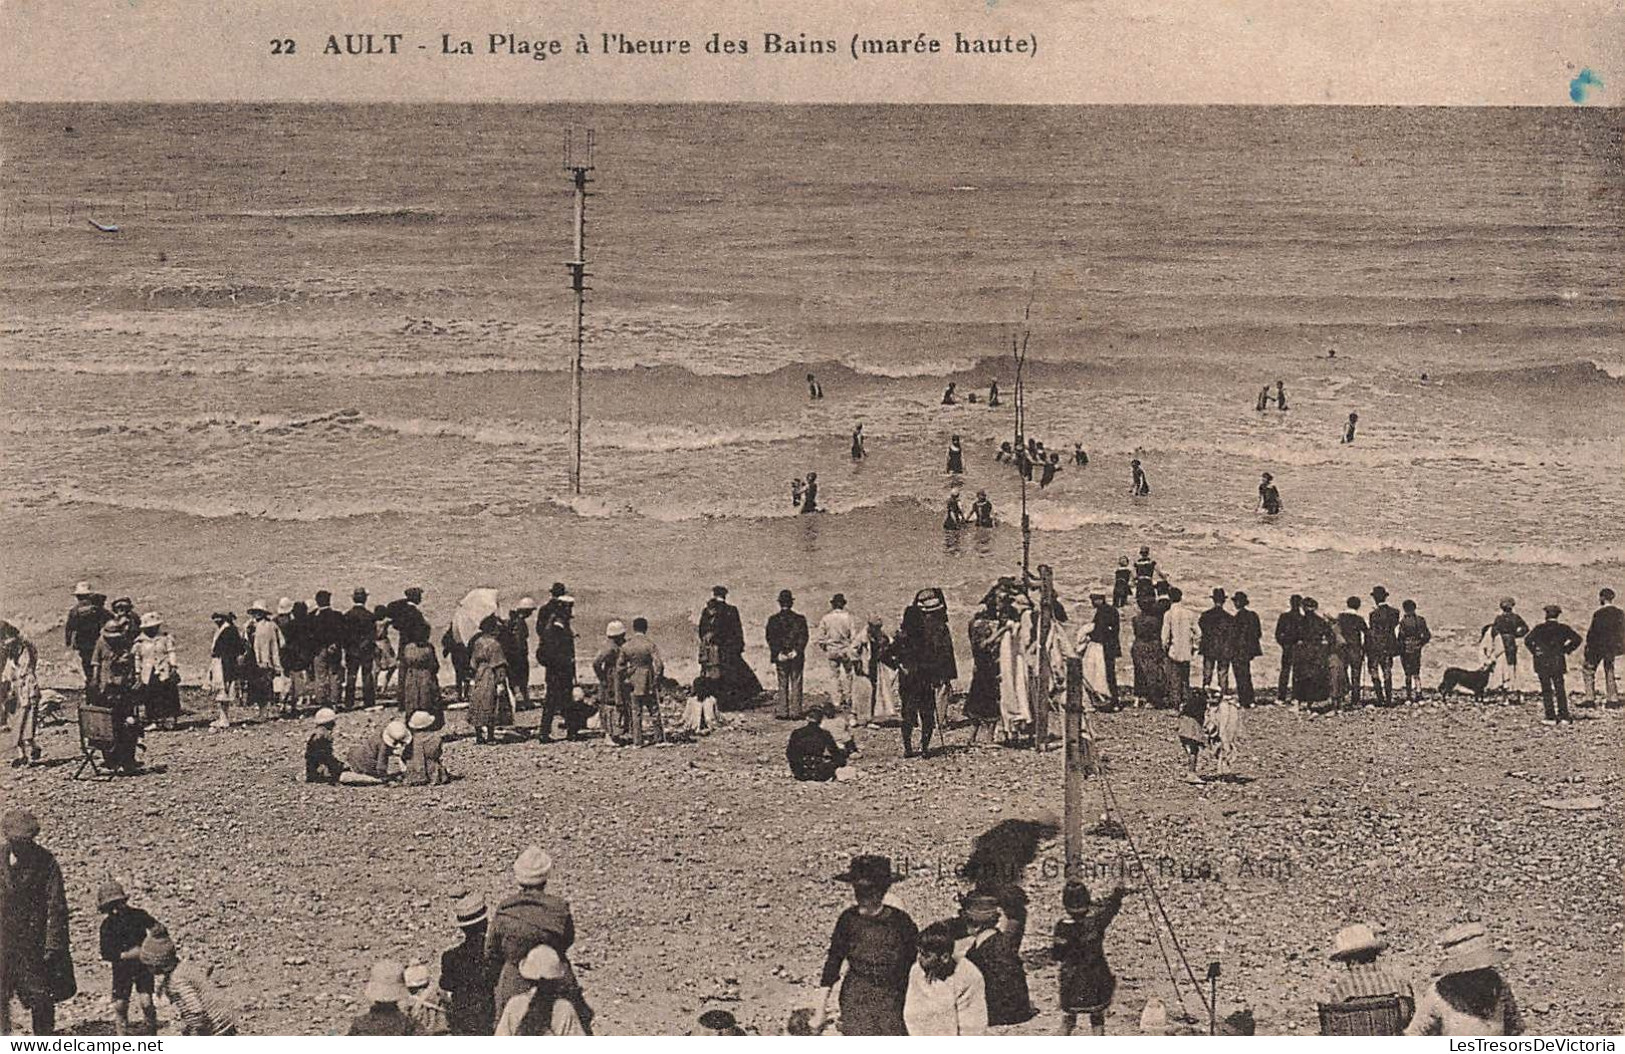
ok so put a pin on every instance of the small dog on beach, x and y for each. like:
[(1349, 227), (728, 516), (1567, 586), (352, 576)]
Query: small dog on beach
[(1475, 681)]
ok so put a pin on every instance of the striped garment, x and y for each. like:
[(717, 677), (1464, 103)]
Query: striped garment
[(1362, 980), (199, 1004)]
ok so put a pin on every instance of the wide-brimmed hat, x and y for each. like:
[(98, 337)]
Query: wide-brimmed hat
[(83, 590), (151, 620), (110, 893), (397, 733), (1466, 948), (565, 598), (19, 825), (1218, 594), (541, 963), (158, 950), (526, 604), (868, 869), (420, 721), (387, 983), (284, 606), (1356, 939), (471, 910), (980, 907), (416, 977), (326, 716), (615, 629), (258, 608), (532, 866)]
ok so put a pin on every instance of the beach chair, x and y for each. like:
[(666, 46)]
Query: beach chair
[(95, 736), (1379, 1015)]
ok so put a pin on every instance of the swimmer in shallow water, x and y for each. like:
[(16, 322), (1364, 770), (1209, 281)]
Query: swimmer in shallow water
[(809, 494), (1269, 499), (954, 518), (1139, 485), (814, 389), (1348, 429), (948, 395)]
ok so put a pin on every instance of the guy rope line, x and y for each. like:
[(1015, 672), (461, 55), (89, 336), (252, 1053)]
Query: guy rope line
[(1109, 797)]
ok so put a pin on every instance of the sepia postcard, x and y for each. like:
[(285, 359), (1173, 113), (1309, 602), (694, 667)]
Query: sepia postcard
[(900, 517)]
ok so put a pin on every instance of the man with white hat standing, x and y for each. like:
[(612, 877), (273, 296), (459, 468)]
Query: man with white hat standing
[(612, 695), (84, 626)]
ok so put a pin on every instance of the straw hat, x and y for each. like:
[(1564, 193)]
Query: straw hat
[(108, 894), (326, 716), (533, 866), (151, 620), (284, 606), (1355, 940), (387, 984), (396, 733), (615, 629), (420, 721), (83, 590), (416, 977), (19, 825), (868, 869), (471, 910), (542, 963), (1466, 948), (526, 604), (258, 608)]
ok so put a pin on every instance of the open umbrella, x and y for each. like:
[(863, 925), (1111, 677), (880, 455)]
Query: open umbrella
[(471, 611)]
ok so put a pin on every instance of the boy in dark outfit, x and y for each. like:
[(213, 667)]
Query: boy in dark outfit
[(1087, 982), (122, 933)]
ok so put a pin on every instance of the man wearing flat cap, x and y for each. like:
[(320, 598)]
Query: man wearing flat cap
[(1550, 643), (35, 963)]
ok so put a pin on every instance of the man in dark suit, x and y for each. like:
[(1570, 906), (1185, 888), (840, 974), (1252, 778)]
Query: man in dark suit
[(327, 635), (1217, 627), (360, 651), (787, 646), (1247, 636), (1550, 643)]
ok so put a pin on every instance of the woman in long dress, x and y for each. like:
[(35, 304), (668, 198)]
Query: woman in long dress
[(1312, 656), (419, 678), (488, 662), (155, 673), (1150, 661), (986, 637), (1015, 715), (876, 658)]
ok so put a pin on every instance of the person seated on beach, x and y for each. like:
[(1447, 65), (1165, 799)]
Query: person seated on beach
[(546, 1007), (198, 1002), (426, 1004), (981, 510), (422, 760), (1469, 997), (700, 709), (1079, 458), (954, 518), (385, 992), (809, 494), (812, 751), (378, 758), (322, 764), (1357, 947), (948, 395)]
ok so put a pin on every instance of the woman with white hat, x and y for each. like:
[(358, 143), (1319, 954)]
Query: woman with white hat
[(1468, 997), (377, 759), (385, 992), (546, 1008), (156, 676), (265, 645)]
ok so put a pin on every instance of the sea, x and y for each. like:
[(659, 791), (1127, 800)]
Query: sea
[(328, 346)]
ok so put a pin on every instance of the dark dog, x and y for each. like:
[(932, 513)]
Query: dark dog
[(1475, 681)]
